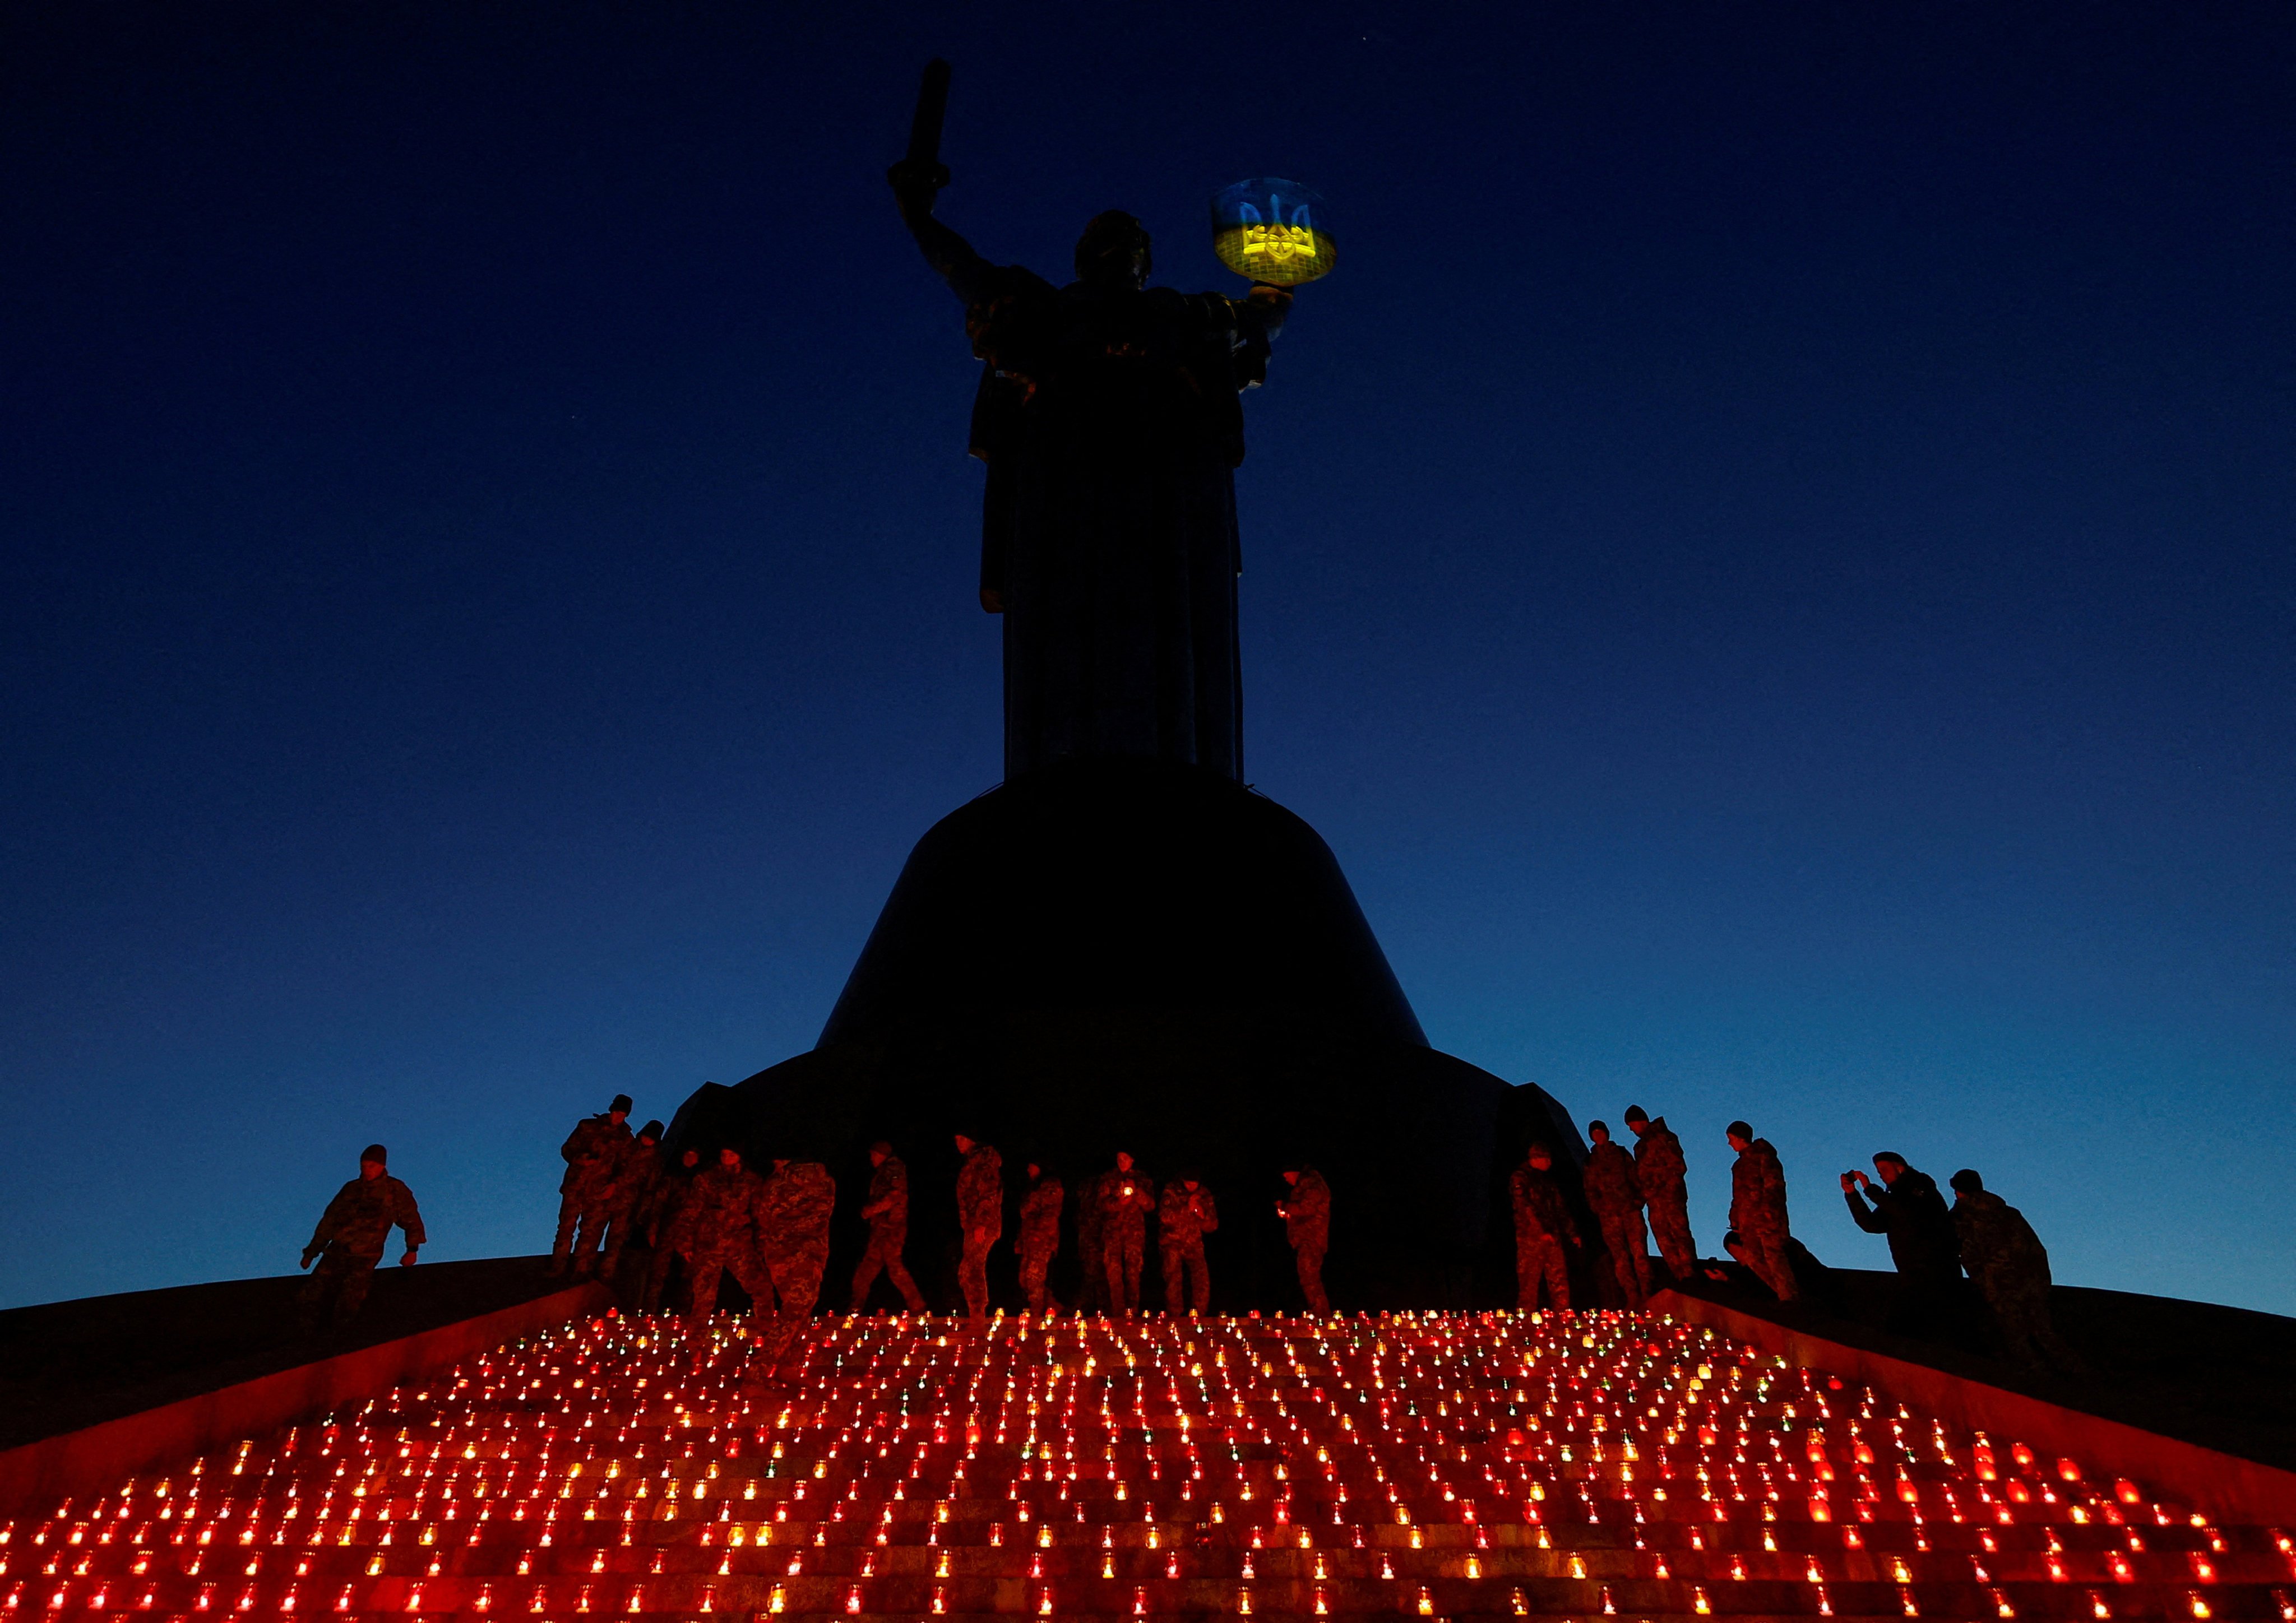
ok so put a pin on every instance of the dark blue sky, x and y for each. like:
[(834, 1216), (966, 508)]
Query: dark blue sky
[(1769, 563)]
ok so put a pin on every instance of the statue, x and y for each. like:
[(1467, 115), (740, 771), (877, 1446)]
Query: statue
[(1109, 418), (1118, 946)]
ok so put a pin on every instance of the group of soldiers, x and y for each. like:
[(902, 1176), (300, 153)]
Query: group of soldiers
[(1932, 1245), (772, 1232), (1112, 1226), (1620, 1189), (769, 1231)]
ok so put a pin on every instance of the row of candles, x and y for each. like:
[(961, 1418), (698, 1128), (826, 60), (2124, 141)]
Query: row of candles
[(1439, 1465)]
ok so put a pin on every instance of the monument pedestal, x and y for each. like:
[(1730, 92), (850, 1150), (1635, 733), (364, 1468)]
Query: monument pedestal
[(1131, 955)]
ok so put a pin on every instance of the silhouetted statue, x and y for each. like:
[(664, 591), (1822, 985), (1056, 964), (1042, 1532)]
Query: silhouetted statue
[(1109, 419)]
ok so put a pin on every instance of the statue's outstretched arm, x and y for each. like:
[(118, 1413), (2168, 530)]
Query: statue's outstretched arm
[(1258, 319), (1267, 305), (914, 191)]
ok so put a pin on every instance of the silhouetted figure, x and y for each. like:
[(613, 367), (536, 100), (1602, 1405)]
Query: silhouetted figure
[(1908, 1210), (1092, 1256), (980, 1216), (1543, 1228), (349, 1239), (666, 1217), (1307, 1226), (592, 1151), (1109, 419), (1813, 1280), (1127, 1197), (1040, 1235), (1184, 1215), (2011, 1267), (1615, 1195), (630, 1186), (886, 1213), (1758, 1209), (1659, 1171)]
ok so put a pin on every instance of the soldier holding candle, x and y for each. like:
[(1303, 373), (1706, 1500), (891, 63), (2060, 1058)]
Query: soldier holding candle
[(1127, 1197), (1307, 1226)]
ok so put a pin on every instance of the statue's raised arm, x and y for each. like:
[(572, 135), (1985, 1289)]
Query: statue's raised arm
[(916, 181)]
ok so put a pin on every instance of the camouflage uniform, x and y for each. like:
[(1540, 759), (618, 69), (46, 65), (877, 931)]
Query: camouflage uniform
[(1615, 1194), (1543, 1226), (633, 1178), (1758, 1211), (2011, 1267), (592, 1152), (888, 1231), (1660, 1174), (1125, 1200), (1040, 1237), (723, 1216), (1183, 1219), (349, 1242), (980, 1216), (665, 1216), (1092, 1288), (793, 1237), (1307, 1226)]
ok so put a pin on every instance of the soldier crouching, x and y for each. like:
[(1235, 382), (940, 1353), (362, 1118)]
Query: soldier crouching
[(349, 1239)]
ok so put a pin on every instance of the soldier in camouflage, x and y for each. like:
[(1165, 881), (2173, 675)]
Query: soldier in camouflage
[(632, 1185), (981, 1217), (666, 1218), (793, 1236), (1091, 1270), (886, 1212), (2011, 1267), (1307, 1226), (1757, 1210), (1184, 1215), (1660, 1172), (349, 1239), (724, 1216), (592, 1152), (1543, 1228), (1041, 1234), (1127, 1197), (1616, 1195)]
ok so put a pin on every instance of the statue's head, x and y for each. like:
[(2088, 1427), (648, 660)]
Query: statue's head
[(1113, 251)]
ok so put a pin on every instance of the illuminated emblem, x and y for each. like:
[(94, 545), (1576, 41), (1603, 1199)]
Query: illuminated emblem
[(1272, 231)]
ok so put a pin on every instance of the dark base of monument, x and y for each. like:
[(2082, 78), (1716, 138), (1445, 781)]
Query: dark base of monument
[(1121, 884), (1127, 955)]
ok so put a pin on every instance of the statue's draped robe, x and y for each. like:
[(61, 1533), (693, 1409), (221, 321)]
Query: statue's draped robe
[(1111, 428)]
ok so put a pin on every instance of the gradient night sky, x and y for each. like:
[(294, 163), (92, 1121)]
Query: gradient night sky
[(1769, 563)]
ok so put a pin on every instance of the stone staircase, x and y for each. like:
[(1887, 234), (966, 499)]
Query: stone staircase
[(1445, 1465)]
